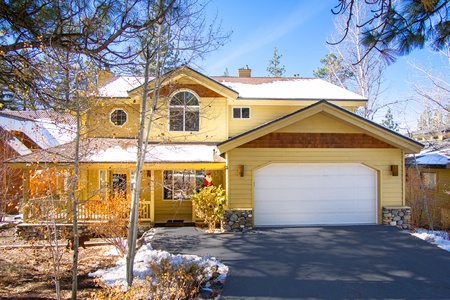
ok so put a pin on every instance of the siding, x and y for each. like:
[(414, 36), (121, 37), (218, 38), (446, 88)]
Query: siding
[(258, 116), (241, 195)]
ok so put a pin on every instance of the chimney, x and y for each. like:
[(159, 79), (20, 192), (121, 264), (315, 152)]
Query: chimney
[(245, 72), (103, 76)]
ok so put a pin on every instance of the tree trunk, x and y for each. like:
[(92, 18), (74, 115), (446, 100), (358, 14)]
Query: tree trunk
[(74, 200), (424, 195)]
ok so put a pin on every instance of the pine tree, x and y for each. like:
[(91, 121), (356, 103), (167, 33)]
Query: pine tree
[(333, 70), (389, 122), (274, 68)]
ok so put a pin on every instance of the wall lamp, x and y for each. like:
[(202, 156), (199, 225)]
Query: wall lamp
[(240, 170)]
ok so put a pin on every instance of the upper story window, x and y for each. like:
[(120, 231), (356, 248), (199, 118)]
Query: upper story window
[(118, 117), (241, 112), (184, 112)]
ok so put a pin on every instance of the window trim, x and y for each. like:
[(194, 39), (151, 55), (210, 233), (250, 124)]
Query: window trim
[(110, 117), (198, 175), (241, 108), (185, 108), (426, 182)]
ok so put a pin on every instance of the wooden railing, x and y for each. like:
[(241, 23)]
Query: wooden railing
[(60, 209)]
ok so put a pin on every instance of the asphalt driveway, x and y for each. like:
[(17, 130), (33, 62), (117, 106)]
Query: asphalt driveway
[(354, 262)]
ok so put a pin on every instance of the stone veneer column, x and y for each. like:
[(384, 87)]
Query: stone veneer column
[(237, 220), (399, 216)]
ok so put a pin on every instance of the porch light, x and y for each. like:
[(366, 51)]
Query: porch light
[(240, 170), (394, 170)]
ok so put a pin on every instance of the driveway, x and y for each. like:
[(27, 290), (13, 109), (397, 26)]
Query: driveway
[(353, 262)]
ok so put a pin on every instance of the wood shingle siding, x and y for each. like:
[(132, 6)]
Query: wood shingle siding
[(316, 140)]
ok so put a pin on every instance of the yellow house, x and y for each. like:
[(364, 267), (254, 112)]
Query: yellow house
[(433, 164), (289, 151)]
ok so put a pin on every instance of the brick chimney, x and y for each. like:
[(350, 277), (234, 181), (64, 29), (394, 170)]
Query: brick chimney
[(245, 72), (103, 76)]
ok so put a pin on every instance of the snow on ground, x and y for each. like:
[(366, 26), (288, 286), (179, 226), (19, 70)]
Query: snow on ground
[(145, 255), (439, 238)]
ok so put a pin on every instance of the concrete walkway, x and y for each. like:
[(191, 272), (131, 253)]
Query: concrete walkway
[(354, 262)]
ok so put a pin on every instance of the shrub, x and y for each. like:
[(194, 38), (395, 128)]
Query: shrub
[(170, 281), (111, 219), (209, 204)]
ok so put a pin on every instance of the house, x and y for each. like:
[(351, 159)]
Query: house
[(22, 133), (289, 151), (433, 165)]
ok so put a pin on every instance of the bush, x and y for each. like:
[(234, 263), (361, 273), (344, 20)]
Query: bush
[(111, 219), (209, 204), (169, 281)]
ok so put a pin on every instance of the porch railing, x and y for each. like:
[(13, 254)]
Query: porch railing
[(60, 209)]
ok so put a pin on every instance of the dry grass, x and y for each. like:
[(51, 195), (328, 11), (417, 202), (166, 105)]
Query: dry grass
[(26, 273)]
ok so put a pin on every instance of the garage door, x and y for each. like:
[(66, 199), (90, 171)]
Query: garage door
[(315, 194)]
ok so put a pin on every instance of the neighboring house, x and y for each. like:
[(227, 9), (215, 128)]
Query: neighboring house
[(22, 133), (433, 163), (430, 135), (289, 150)]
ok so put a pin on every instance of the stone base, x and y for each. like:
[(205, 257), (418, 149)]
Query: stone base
[(237, 220), (398, 216)]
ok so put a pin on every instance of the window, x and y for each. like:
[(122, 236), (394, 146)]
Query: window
[(429, 180), (118, 117), (179, 185), (119, 184), (102, 183), (241, 112), (184, 112)]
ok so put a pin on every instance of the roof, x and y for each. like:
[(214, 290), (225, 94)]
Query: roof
[(108, 150), (286, 88), (34, 130), (371, 128), (434, 155), (60, 126), (119, 86), (283, 88)]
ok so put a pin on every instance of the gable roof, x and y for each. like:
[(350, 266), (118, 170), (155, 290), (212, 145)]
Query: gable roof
[(249, 88), (291, 88), (369, 127)]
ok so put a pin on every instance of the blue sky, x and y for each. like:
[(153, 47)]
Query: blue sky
[(299, 30)]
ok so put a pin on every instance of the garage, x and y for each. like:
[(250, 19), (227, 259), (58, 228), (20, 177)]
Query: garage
[(315, 194)]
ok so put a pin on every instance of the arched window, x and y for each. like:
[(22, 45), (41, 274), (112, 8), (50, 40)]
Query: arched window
[(184, 112)]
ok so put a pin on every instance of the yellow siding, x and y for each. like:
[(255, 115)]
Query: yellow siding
[(213, 123), (99, 125), (241, 195), (258, 116), (321, 123), (170, 210)]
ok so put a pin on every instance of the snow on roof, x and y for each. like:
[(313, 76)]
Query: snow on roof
[(437, 159), (32, 129), (286, 88), (250, 88), (18, 146), (108, 150), (118, 87), (156, 153), (62, 126), (435, 154)]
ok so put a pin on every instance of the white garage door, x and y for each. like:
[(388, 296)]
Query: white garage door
[(315, 194)]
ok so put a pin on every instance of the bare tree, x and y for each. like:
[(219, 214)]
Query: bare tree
[(366, 68), (178, 37)]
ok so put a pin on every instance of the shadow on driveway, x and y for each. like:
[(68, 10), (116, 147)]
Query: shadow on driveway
[(353, 262)]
